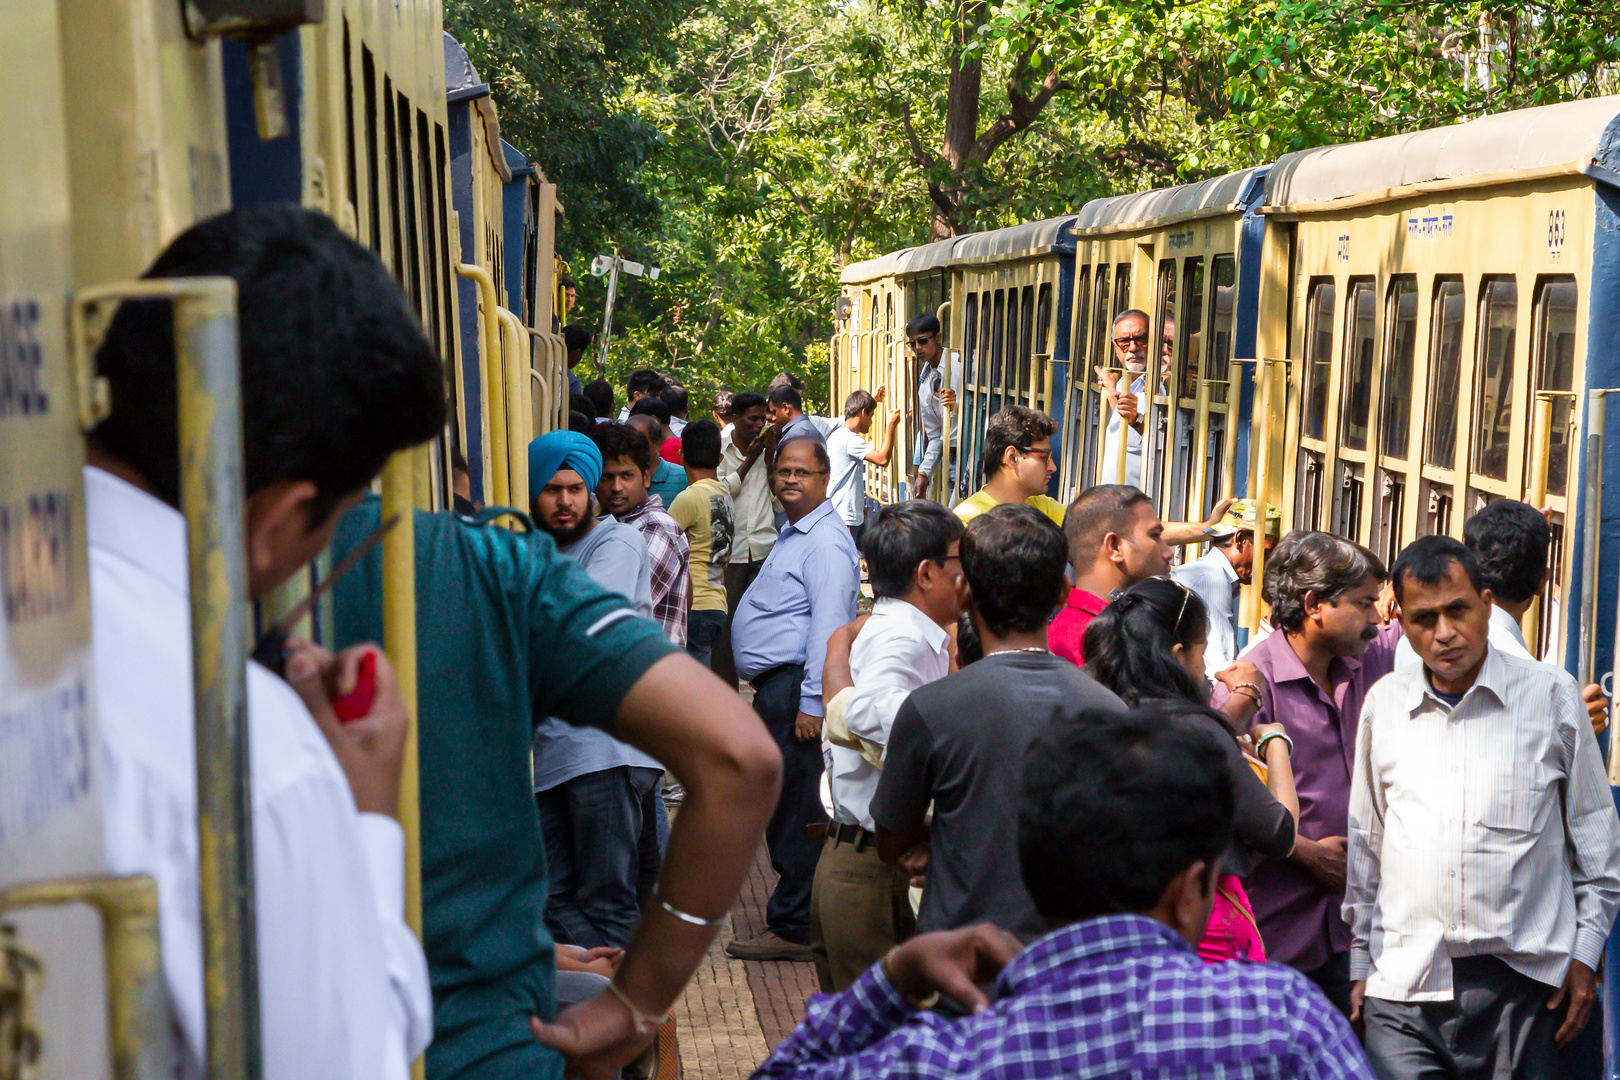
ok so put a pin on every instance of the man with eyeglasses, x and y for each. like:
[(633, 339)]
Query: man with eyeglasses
[(933, 398), (804, 592), (1127, 407), (1017, 464)]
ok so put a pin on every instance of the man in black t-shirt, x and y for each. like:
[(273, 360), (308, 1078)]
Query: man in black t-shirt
[(959, 742)]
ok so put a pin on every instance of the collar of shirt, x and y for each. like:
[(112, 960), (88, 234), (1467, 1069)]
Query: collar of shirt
[(932, 634), (1491, 679), (812, 519), (1088, 602), (1286, 666), (1504, 623), (122, 519), (1068, 951), (649, 504), (1217, 558)]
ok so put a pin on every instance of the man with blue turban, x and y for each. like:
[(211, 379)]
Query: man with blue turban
[(595, 794)]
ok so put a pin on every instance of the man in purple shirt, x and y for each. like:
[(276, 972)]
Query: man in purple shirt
[(1122, 823), (1326, 651)]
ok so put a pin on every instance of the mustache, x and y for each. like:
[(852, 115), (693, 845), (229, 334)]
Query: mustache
[(1369, 633)]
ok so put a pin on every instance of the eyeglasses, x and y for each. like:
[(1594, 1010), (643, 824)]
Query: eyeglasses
[(799, 474), (1032, 450), (1134, 339), (919, 342)]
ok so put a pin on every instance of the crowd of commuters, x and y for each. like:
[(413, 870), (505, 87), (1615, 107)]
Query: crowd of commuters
[(1076, 821)]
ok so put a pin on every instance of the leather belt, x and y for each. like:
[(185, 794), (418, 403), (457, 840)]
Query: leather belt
[(840, 832)]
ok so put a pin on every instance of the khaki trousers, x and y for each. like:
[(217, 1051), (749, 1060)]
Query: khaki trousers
[(859, 910)]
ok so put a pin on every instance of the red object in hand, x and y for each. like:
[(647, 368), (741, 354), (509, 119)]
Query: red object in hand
[(357, 702)]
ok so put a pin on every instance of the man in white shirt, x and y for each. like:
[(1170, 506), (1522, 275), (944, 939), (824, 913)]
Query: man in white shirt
[(745, 473), (1217, 575), (1128, 407), (859, 907), (1511, 539), (849, 451), (342, 981), (924, 338), (1483, 867)]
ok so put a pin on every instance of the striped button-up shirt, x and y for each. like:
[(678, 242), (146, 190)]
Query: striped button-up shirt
[(1121, 996), (667, 565), (1486, 829)]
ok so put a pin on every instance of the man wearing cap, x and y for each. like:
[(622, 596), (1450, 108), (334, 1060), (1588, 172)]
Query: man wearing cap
[(1228, 564), (592, 790)]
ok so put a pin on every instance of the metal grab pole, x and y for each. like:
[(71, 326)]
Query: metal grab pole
[(399, 641), (519, 414), (1250, 618), (1591, 508), (1540, 439), (490, 376)]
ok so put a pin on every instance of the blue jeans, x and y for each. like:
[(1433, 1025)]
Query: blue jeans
[(603, 852), (702, 630)]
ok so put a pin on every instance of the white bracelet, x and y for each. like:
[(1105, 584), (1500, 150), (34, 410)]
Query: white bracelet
[(646, 1024), (689, 919)]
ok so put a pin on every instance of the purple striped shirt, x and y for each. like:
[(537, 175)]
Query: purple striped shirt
[(1121, 996)]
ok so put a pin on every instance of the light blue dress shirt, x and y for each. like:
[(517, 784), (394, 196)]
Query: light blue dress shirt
[(804, 592), (1216, 584)]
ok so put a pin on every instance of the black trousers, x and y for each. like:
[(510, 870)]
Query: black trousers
[(793, 854), (1497, 1025)]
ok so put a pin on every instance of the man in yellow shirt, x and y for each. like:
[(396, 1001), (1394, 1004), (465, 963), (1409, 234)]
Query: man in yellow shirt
[(704, 512), (1017, 464)]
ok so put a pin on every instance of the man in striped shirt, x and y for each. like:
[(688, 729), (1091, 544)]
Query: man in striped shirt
[(1483, 869), (627, 471)]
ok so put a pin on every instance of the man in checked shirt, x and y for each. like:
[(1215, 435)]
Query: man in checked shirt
[(1483, 872), (628, 461)]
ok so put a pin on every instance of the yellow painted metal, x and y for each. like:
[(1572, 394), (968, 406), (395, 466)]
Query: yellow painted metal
[(399, 639), (489, 343), (1597, 404), (138, 1017), (519, 412), (1200, 443), (1540, 442), (1263, 420)]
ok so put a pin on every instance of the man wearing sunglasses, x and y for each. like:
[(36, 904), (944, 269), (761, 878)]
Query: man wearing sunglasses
[(1127, 407), (933, 398)]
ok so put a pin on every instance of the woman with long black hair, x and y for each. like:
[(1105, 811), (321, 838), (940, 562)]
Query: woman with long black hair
[(1147, 646)]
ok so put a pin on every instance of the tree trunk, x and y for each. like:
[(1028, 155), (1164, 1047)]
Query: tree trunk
[(961, 118)]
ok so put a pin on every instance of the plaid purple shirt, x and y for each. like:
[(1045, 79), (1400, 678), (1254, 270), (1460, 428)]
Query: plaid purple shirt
[(667, 557), (1121, 996)]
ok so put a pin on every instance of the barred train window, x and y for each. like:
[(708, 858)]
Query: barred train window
[(1191, 330), (1318, 355), (1445, 372), (1498, 317), (1360, 342), (1100, 354), (1395, 409), (1218, 356), (1555, 368)]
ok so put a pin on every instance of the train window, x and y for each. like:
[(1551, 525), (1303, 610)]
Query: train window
[(1318, 355), (1360, 339), (391, 163), (1167, 318), (1083, 318), (1555, 368), (412, 260), (1027, 346), (1218, 357), (1445, 372), (1191, 337), (430, 235), (998, 337), (368, 72), (1498, 318), (1100, 354), (986, 327), (1395, 406), (1043, 320), (441, 213), (353, 179), (969, 344), (1122, 287)]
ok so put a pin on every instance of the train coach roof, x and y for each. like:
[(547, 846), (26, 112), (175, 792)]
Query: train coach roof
[(1147, 209), (1032, 238), (871, 269), (912, 260), (1551, 140)]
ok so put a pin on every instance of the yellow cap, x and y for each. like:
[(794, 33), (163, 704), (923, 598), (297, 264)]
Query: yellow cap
[(1241, 517)]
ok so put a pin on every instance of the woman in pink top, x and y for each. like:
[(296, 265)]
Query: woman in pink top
[(1148, 646)]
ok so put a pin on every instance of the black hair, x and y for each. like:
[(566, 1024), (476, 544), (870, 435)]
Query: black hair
[(743, 400), (458, 460), (600, 394), (903, 535), (1427, 560), (336, 375), (616, 440), (722, 402), (1318, 562), (676, 398), (969, 648), (576, 338), (1016, 426), (1014, 558), (581, 422), (644, 381), (818, 448), (859, 401), (1113, 807), (1096, 512), (700, 444), (922, 324), (1510, 540), (567, 282), (785, 395), (1128, 645), (653, 407), (581, 404)]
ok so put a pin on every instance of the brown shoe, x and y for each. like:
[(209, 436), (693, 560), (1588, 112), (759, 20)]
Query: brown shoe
[(767, 946)]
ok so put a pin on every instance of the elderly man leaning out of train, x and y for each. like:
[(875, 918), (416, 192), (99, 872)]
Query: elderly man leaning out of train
[(325, 337)]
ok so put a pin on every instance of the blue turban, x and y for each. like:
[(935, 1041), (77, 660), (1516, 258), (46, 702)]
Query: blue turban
[(562, 450)]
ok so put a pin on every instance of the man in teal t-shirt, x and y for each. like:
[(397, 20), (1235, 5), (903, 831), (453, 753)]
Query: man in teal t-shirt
[(508, 631)]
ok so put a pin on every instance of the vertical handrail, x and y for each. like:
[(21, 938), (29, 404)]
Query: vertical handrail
[(1591, 509), (491, 377), (1200, 445), (1536, 496), (519, 414), (1261, 417), (399, 641), (209, 403)]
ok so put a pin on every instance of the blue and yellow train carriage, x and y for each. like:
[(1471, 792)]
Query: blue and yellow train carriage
[(1188, 256)]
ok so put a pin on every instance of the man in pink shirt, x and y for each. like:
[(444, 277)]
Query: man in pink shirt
[(1326, 652), (1115, 540)]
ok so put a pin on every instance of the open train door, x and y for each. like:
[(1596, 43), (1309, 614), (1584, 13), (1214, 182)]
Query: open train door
[(51, 959)]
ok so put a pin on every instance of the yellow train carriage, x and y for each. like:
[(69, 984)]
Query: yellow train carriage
[(1426, 324), (1179, 255)]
